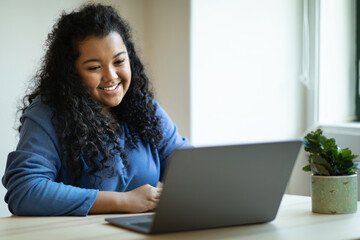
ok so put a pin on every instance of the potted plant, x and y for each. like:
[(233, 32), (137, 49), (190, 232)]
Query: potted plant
[(334, 175)]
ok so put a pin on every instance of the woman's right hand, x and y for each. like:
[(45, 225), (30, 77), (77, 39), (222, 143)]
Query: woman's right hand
[(142, 199), (139, 200)]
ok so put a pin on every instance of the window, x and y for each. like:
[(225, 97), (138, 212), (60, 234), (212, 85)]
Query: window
[(337, 61), (333, 91)]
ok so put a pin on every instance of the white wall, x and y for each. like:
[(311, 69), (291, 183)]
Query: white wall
[(167, 51), (245, 68)]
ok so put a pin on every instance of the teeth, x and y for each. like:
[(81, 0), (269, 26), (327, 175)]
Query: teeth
[(110, 88)]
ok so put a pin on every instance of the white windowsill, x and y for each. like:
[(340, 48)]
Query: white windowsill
[(348, 128)]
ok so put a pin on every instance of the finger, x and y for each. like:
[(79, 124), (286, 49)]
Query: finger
[(153, 204), (156, 195)]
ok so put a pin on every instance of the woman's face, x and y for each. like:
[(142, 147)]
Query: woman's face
[(103, 64)]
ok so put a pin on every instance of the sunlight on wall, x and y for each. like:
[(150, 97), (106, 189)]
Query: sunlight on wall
[(245, 71)]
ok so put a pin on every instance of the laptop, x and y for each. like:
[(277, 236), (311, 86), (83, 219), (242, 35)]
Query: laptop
[(219, 186)]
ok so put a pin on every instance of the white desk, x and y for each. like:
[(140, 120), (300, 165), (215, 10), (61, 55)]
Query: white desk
[(294, 221)]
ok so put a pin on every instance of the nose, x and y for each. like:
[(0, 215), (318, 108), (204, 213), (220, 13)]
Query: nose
[(110, 74)]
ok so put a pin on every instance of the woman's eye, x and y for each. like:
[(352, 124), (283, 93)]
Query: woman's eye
[(119, 61), (93, 68)]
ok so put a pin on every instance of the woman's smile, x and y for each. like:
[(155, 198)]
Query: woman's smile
[(111, 88)]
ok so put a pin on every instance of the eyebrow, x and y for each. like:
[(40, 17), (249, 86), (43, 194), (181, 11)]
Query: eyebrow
[(98, 60)]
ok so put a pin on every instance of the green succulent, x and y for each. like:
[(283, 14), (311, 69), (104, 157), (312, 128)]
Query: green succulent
[(326, 158)]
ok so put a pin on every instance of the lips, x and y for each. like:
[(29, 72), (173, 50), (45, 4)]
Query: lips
[(110, 88)]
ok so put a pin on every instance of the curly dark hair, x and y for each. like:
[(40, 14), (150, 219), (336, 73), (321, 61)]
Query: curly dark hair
[(83, 128)]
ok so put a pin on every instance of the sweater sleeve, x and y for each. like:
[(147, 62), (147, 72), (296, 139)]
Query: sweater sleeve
[(171, 138), (31, 171)]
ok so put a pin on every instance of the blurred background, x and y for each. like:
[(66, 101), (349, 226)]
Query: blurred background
[(227, 72)]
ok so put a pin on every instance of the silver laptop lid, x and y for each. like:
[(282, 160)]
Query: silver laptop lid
[(224, 185)]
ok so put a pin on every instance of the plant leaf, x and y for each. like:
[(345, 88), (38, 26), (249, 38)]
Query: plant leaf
[(307, 168), (318, 161), (318, 169)]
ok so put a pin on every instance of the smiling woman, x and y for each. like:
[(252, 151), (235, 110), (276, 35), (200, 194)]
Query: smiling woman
[(92, 137), (103, 64)]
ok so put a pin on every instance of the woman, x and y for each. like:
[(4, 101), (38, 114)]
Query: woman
[(92, 138)]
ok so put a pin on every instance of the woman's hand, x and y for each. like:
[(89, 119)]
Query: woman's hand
[(139, 200), (143, 198)]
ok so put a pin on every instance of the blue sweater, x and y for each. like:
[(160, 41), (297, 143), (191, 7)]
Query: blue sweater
[(38, 185)]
